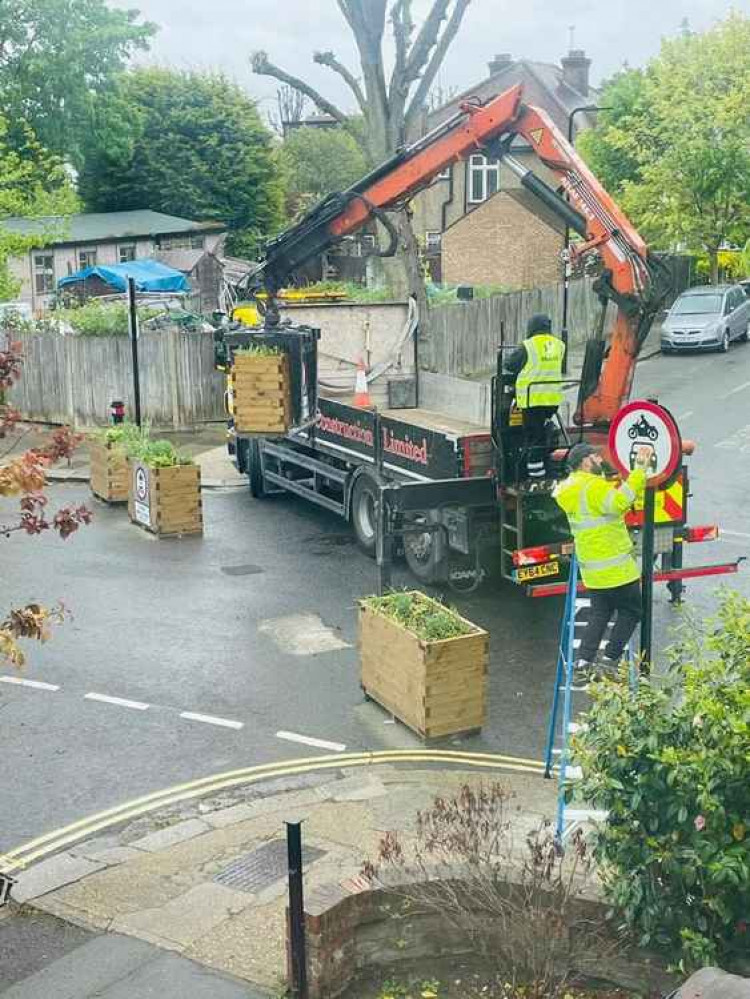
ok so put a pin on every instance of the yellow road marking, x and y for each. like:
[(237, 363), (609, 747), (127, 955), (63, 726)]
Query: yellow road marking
[(41, 846)]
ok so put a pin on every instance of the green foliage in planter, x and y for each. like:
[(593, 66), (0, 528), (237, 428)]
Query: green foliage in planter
[(671, 764), (155, 454), (421, 616), (259, 350), (125, 434)]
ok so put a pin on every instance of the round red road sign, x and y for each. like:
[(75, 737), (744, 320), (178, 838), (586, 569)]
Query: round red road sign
[(645, 424)]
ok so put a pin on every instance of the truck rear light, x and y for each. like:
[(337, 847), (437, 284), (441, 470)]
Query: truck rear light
[(540, 553), (707, 532)]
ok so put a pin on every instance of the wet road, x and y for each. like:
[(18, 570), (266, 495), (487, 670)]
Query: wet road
[(188, 657)]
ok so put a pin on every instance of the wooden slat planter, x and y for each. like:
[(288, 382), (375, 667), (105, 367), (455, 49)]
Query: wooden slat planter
[(261, 394), (110, 476), (166, 501), (435, 688)]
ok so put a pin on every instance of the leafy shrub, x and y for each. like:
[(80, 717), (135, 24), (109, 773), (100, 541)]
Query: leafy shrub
[(423, 617), (125, 434), (155, 454), (97, 318), (259, 350), (671, 764)]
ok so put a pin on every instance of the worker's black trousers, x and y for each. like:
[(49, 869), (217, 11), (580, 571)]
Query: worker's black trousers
[(535, 439), (622, 602)]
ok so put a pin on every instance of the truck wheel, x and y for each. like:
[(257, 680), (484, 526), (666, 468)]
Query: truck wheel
[(363, 513), (426, 554), (254, 471)]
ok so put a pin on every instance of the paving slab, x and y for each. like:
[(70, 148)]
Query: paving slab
[(171, 836), (49, 875), (356, 788), (185, 918)]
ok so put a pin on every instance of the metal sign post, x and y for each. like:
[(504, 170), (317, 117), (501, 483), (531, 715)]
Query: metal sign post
[(641, 424), (133, 323)]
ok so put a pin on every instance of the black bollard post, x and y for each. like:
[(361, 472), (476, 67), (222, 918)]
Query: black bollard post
[(297, 946)]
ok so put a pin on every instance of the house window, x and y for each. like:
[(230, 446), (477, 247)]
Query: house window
[(86, 258), (126, 252), (444, 174), (432, 242), (484, 178), (188, 241), (44, 273)]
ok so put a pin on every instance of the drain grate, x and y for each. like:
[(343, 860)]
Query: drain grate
[(242, 570), (261, 868)]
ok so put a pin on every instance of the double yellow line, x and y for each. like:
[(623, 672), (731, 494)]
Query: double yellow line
[(36, 849)]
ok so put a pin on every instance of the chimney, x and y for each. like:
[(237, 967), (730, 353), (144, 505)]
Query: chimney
[(499, 63), (575, 67)]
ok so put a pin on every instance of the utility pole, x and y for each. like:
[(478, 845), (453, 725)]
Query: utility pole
[(133, 324)]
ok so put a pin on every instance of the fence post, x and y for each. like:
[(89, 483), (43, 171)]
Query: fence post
[(174, 388)]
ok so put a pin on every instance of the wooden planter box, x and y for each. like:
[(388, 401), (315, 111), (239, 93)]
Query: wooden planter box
[(261, 401), (435, 688), (166, 501), (110, 476)]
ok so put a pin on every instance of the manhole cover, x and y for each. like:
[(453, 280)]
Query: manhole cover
[(259, 869), (242, 570)]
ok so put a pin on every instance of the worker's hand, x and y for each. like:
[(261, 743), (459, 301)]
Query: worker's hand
[(643, 456)]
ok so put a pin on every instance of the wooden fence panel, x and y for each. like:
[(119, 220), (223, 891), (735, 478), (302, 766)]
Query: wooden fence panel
[(74, 379)]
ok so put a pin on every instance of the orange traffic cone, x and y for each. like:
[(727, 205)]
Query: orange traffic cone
[(361, 393)]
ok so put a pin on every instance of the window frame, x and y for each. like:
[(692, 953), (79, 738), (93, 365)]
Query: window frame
[(84, 254), (47, 272), (437, 244), (481, 169), (126, 246)]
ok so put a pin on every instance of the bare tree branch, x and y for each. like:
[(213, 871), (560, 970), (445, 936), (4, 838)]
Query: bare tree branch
[(330, 60), (264, 67), (403, 26), (450, 32), (426, 40)]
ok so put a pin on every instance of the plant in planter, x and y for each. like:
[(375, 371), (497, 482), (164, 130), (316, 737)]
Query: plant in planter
[(424, 663), (108, 453), (261, 400), (165, 489)]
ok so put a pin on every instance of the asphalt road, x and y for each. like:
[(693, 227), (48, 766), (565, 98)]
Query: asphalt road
[(253, 629)]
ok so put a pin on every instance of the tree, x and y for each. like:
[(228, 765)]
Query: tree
[(318, 161), (387, 106), (290, 106), (33, 183), (186, 144), (53, 53), (682, 144), (24, 477)]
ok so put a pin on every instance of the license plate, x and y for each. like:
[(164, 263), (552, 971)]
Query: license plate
[(528, 572)]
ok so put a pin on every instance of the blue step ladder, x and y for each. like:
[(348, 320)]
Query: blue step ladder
[(561, 724)]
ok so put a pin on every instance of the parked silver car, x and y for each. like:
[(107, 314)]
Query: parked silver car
[(707, 318)]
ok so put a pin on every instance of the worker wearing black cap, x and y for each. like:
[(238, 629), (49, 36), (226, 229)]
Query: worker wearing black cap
[(538, 364), (596, 508)]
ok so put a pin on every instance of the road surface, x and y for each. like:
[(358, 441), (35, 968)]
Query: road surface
[(188, 657)]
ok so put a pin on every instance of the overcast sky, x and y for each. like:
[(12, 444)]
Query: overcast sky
[(221, 34)]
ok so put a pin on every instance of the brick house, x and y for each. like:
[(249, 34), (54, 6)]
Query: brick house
[(475, 221), (87, 240)]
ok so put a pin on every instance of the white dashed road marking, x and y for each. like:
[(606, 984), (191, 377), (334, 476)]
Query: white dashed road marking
[(686, 416), (211, 720), (733, 534), (120, 701), (36, 684), (306, 740), (740, 388)]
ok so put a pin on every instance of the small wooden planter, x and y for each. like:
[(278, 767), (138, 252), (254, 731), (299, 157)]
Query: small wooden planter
[(261, 401), (166, 501), (110, 476), (435, 688)]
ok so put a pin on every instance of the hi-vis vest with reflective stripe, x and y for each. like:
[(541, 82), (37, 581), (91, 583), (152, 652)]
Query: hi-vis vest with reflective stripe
[(595, 510), (544, 359)]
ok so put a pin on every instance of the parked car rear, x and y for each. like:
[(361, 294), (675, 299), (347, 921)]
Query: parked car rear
[(707, 318)]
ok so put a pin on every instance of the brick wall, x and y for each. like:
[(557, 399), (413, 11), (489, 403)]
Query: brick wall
[(502, 243)]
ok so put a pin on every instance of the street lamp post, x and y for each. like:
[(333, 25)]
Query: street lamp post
[(566, 265)]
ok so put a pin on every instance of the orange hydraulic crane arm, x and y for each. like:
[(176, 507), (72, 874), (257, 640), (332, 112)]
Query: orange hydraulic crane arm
[(629, 277)]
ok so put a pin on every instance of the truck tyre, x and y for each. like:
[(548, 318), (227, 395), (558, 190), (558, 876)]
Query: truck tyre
[(426, 554), (363, 511), (254, 470)]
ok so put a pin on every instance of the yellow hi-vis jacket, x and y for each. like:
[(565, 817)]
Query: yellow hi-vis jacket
[(595, 509), (544, 360)]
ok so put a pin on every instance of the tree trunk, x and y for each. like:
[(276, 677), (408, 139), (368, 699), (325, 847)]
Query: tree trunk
[(412, 261), (713, 258)]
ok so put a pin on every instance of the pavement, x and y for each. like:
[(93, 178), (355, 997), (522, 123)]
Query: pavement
[(189, 898)]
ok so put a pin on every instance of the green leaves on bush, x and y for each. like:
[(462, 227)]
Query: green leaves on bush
[(671, 765), (420, 615), (124, 434), (259, 350)]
